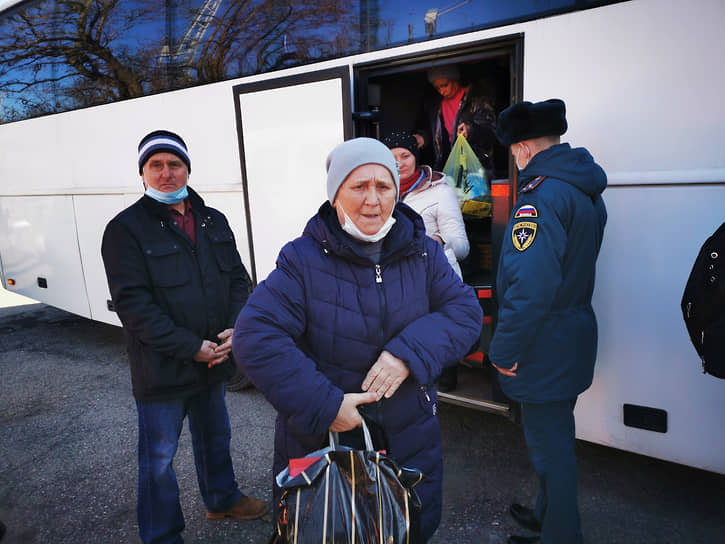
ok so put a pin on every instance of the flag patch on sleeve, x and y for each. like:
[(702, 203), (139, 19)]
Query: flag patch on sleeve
[(527, 210)]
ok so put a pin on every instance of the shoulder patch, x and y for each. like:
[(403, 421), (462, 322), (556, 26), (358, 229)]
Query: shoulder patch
[(527, 210), (523, 234), (533, 184)]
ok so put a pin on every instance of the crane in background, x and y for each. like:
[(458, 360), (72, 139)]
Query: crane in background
[(432, 15), (188, 46)]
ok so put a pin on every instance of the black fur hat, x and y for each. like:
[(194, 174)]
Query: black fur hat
[(524, 121)]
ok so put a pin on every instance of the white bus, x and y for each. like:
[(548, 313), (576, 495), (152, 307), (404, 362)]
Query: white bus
[(260, 110)]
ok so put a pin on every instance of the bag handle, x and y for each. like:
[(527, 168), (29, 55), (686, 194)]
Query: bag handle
[(335, 438)]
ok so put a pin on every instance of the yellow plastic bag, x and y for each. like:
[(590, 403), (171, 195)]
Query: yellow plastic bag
[(465, 174)]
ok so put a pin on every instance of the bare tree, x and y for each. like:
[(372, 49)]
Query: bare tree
[(76, 54), (66, 54), (258, 36)]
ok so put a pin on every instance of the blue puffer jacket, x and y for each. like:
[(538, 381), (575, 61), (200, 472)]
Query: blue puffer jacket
[(546, 277), (311, 331)]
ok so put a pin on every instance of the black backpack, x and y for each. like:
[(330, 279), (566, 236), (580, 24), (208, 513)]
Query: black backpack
[(703, 304)]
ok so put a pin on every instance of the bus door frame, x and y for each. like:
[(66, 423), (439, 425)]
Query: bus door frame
[(511, 45), (341, 73), (503, 190)]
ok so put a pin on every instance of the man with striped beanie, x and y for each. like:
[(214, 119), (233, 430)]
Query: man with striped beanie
[(177, 283)]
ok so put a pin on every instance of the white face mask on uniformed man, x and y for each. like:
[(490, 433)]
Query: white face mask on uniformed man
[(516, 157)]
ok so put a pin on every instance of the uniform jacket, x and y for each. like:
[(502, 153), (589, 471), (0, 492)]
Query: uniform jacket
[(170, 295), (477, 112), (546, 277), (311, 331), (437, 203)]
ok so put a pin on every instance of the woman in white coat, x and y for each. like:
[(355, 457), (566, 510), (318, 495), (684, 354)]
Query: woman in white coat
[(427, 192)]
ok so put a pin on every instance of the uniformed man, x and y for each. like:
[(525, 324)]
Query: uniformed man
[(545, 342)]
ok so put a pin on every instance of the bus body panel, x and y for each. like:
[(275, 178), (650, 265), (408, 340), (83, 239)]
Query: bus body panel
[(645, 357), (40, 244), (642, 84), (101, 157), (92, 214)]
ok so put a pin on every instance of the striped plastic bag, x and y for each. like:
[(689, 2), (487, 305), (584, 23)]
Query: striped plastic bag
[(340, 495)]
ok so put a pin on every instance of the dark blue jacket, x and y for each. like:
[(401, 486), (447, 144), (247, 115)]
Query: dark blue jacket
[(311, 331), (171, 295), (546, 277)]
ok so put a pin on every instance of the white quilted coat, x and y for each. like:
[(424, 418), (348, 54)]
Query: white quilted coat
[(438, 204)]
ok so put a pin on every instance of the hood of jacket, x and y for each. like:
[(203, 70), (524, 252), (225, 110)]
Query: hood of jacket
[(575, 166), (430, 177), (405, 238)]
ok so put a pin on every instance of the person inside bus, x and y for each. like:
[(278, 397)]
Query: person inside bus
[(360, 315), (545, 343), (177, 283), (458, 109), (427, 192)]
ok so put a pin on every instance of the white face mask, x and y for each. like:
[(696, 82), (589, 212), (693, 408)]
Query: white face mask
[(516, 159), (353, 231)]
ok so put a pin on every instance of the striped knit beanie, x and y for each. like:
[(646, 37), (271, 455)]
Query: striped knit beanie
[(160, 141)]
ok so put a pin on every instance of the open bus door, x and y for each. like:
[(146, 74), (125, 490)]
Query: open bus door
[(389, 97), (286, 128)]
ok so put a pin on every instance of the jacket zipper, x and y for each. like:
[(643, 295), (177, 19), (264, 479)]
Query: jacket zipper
[(381, 294)]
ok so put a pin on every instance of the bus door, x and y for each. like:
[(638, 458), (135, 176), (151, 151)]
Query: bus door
[(390, 97), (286, 127)]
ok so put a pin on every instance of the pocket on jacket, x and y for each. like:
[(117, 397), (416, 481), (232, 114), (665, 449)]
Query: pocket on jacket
[(166, 266), (224, 250)]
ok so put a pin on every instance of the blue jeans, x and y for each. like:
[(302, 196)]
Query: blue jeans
[(550, 434), (160, 519)]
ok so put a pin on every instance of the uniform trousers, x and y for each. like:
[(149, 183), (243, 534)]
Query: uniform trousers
[(550, 436), (160, 519)]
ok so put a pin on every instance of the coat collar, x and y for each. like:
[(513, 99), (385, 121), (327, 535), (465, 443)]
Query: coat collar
[(431, 178), (406, 237)]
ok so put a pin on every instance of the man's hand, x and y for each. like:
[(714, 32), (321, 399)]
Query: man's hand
[(385, 376), (347, 416), (207, 352), (507, 371), (419, 139), (463, 129), (222, 350)]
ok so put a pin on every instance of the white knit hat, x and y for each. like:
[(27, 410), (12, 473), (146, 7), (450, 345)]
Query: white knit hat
[(350, 154)]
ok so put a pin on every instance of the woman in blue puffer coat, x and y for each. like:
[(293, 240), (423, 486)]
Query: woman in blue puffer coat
[(363, 310)]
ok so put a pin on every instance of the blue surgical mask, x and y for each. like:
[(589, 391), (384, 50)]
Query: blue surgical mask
[(167, 198)]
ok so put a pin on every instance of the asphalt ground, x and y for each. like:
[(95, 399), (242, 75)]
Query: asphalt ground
[(68, 457)]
